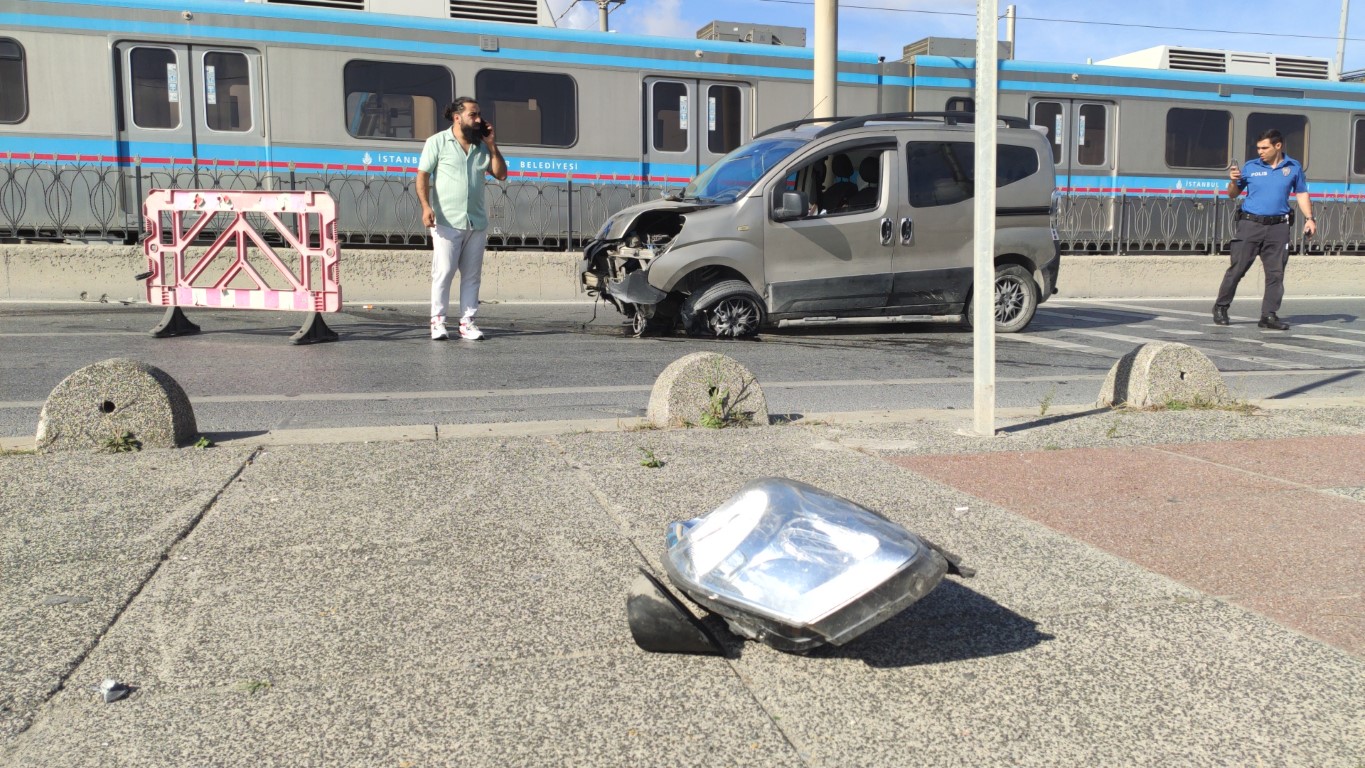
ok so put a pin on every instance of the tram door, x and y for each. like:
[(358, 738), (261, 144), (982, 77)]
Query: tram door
[(1082, 137), (690, 124), (188, 112)]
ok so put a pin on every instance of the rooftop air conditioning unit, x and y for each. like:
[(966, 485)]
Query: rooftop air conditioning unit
[(507, 11), (1224, 62)]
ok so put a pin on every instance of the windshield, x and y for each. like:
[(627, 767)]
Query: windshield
[(733, 175)]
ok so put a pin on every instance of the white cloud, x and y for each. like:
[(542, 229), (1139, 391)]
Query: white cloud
[(664, 17), (580, 15)]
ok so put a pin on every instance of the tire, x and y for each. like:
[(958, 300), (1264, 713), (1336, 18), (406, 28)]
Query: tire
[(660, 320), (1016, 299), (729, 309)]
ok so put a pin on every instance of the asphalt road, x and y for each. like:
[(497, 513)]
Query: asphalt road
[(563, 361)]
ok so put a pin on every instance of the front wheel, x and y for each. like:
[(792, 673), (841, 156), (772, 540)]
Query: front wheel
[(1016, 299), (730, 309)]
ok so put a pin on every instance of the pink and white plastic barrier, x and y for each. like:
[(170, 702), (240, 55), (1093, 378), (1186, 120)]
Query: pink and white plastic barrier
[(299, 273)]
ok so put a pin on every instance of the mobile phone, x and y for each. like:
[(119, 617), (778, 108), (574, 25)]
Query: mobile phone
[(485, 129)]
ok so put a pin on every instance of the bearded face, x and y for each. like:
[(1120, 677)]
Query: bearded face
[(471, 133)]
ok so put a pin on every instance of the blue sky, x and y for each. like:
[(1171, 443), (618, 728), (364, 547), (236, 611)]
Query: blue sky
[(1047, 30)]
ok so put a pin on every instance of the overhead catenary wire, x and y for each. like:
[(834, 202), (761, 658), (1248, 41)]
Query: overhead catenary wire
[(1119, 24)]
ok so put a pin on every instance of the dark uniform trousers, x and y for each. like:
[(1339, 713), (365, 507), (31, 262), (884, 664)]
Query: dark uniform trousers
[(1270, 242)]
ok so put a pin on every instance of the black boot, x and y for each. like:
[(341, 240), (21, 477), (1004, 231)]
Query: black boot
[(1220, 315), (1273, 323)]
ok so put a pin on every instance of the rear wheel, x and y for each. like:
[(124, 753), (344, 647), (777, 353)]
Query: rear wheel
[(729, 309), (1016, 299)]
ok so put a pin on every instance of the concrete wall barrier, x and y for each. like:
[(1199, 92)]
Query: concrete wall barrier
[(36, 272)]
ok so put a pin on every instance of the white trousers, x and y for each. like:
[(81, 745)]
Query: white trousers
[(452, 250)]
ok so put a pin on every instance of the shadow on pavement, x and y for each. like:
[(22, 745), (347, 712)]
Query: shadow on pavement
[(1051, 420), (1313, 319), (952, 623), (1314, 385)]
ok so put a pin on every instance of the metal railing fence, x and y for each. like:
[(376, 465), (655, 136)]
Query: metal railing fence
[(89, 201)]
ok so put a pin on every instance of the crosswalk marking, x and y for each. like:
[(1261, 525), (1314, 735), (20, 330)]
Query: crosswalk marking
[(1332, 328), (1302, 350), (1047, 341), (1250, 359), (1329, 339)]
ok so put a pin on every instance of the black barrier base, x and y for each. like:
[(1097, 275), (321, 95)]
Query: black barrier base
[(314, 331), (174, 323)]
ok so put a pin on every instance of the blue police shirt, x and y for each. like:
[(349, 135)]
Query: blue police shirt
[(1270, 188)]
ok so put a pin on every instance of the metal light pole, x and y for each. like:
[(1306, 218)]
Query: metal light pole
[(602, 13), (983, 283), (1009, 29), (826, 57), (1341, 38)]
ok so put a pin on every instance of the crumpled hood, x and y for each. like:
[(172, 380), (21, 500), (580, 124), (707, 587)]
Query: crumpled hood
[(616, 227)]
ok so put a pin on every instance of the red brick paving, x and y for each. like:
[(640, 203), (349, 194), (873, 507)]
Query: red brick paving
[(1233, 519)]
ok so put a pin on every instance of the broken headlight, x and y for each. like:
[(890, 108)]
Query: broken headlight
[(794, 567)]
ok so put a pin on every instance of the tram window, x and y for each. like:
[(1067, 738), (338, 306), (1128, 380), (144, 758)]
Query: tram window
[(227, 91), (959, 104), (387, 100), (156, 87), (944, 172), (1048, 116), (1358, 145), (1092, 144), (13, 89), (537, 109), (670, 117), (724, 116), (1198, 138), (1294, 128)]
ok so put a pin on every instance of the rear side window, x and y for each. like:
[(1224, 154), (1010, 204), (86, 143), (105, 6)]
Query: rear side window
[(13, 85), (389, 100), (1198, 138), (156, 87), (943, 172), (534, 109)]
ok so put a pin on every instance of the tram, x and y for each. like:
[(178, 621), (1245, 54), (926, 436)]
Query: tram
[(101, 101)]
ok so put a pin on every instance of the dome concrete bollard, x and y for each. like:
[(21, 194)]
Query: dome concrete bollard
[(105, 401), (1162, 372), (707, 389)]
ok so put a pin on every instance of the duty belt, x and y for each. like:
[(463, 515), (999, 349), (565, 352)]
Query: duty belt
[(1282, 218)]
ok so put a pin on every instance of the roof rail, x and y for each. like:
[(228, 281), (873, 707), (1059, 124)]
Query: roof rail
[(948, 118), (801, 122)]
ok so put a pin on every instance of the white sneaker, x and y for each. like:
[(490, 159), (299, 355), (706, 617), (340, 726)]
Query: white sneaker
[(438, 329), (469, 331)]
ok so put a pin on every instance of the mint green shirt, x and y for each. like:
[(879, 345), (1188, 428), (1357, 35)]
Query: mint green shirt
[(457, 180)]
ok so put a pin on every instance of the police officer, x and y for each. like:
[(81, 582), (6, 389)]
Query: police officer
[(1263, 225)]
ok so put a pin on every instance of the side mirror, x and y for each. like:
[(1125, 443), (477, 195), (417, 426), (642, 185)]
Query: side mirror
[(792, 205)]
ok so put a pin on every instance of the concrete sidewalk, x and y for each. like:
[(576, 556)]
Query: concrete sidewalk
[(1161, 588)]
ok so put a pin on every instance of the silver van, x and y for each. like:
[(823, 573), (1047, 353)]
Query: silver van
[(817, 222)]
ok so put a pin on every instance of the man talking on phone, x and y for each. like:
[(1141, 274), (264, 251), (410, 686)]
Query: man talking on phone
[(1263, 225), (454, 211)]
